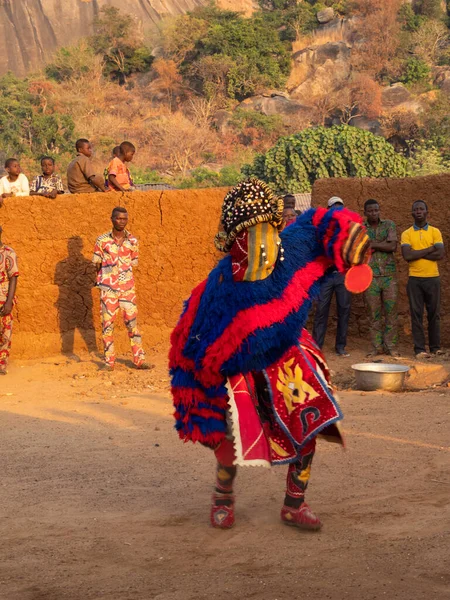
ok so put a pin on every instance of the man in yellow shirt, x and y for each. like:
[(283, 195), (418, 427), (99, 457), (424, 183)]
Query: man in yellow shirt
[(422, 248)]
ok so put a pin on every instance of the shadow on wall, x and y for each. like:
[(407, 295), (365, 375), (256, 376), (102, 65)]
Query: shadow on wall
[(75, 278)]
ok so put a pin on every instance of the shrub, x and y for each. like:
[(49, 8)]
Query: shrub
[(29, 124), (296, 161), (428, 161), (415, 70)]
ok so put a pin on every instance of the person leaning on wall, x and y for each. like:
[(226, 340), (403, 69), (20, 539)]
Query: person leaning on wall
[(82, 176)]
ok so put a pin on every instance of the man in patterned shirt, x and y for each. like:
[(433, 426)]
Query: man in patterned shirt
[(381, 296), (115, 255), (9, 272)]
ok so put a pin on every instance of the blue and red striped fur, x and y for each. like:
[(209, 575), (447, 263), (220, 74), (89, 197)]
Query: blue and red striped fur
[(230, 327)]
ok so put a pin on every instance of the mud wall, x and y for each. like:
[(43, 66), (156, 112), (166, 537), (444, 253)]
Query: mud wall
[(58, 307), (396, 197)]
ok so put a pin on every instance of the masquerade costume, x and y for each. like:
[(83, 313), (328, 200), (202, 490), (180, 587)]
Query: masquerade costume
[(247, 379)]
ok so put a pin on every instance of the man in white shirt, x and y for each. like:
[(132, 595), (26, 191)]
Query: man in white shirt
[(14, 183)]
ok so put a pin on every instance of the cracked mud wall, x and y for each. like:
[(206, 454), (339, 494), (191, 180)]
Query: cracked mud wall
[(396, 197), (58, 307)]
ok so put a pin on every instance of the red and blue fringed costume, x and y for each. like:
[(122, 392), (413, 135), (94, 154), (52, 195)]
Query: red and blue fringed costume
[(247, 379)]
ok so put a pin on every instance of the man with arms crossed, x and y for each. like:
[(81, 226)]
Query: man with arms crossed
[(422, 248)]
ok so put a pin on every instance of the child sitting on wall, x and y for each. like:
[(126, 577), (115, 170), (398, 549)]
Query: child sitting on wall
[(48, 184), (14, 183), (119, 177), (115, 154)]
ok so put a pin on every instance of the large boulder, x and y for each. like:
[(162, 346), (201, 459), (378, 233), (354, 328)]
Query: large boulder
[(31, 30), (319, 55), (395, 95), (319, 68), (273, 104), (325, 16), (442, 79)]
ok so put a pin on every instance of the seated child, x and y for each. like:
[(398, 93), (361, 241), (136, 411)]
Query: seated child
[(119, 178), (14, 183), (48, 184), (115, 154)]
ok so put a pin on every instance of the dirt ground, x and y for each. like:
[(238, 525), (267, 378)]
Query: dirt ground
[(99, 499)]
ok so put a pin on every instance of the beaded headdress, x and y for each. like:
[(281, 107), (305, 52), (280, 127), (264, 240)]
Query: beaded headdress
[(247, 204)]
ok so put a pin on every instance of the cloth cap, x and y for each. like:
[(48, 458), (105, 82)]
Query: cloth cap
[(335, 200), (247, 204)]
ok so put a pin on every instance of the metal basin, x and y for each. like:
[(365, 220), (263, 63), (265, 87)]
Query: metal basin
[(380, 376)]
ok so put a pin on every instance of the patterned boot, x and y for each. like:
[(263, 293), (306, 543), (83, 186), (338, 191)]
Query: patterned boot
[(295, 510), (222, 509)]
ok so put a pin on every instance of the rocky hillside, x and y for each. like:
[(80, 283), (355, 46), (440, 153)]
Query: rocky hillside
[(31, 30)]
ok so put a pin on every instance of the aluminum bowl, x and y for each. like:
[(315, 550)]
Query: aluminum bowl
[(380, 376)]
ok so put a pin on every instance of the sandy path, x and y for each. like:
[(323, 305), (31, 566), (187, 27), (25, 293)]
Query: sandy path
[(100, 500)]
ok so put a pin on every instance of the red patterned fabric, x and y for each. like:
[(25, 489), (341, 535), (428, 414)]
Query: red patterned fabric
[(301, 406)]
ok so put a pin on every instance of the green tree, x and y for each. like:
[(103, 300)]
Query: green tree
[(116, 40), (29, 125), (415, 70), (225, 51), (429, 8), (428, 161), (296, 161), (74, 62)]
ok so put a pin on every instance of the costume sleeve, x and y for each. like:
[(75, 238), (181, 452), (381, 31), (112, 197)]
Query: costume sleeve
[(24, 185), (2, 187), (199, 411), (35, 184), (343, 236), (406, 238), (437, 237), (12, 267), (98, 252)]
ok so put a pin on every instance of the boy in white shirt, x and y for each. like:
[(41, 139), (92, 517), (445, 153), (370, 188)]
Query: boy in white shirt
[(14, 183)]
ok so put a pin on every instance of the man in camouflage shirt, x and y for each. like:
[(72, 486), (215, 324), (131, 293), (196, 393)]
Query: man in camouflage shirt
[(381, 297)]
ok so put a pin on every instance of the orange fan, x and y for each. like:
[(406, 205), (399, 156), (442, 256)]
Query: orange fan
[(358, 279)]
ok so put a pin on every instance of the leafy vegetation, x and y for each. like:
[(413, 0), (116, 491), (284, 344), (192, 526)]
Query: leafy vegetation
[(295, 162), (179, 95), (29, 122)]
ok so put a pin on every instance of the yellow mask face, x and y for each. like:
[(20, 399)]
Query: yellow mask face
[(263, 247)]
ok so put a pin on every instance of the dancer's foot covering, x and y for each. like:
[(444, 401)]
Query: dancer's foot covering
[(222, 511), (302, 517)]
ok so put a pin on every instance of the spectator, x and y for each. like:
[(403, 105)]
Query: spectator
[(116, 253), (9, 272), (115, 154), (289, 214), (81, 173), (333, 284), (381, 296), (14, 183), (119, 178), (422, 248), (48, 184)]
